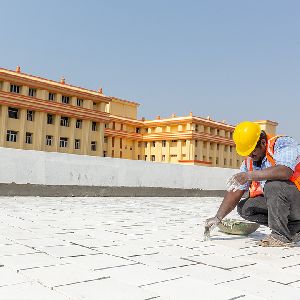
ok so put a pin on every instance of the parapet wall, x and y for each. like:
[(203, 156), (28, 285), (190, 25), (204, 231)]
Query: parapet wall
[(19, 167)]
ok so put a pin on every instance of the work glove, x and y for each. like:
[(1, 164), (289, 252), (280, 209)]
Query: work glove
[(210, 224)]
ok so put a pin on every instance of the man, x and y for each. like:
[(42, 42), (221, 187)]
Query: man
[(271, 172)]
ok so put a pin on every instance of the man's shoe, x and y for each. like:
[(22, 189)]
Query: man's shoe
[(270, 241)]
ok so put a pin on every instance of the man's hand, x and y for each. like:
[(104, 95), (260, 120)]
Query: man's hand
[(235, 181), (210, 224)]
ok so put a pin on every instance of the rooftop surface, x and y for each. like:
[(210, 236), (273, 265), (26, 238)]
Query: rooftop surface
[(135, 249)]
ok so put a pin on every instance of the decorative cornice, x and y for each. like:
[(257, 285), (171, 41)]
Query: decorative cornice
[(51, 85)]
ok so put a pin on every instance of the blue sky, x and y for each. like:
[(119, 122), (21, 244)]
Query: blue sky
[(233, 60)]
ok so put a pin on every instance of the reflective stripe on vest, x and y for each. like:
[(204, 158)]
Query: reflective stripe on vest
[(255, 188)]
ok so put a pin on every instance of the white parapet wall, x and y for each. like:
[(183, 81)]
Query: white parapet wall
[(51, 168)]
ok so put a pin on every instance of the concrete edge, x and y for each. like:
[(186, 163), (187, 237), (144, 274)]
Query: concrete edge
[(13, 189)]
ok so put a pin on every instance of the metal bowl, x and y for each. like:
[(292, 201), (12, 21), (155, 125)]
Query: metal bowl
[(238, 227)]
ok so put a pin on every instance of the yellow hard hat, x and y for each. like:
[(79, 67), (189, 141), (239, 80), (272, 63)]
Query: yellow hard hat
[(246, 136)]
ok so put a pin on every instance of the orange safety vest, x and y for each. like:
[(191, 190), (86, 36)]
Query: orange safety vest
[(255, 187)]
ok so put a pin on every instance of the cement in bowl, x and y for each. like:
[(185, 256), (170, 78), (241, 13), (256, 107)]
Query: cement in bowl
[(238, 227)]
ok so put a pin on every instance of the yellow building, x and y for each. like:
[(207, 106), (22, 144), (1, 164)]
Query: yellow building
[(40, 114), (46, 115)]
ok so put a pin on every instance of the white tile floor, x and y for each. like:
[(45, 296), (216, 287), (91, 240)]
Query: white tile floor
[(134, 248)]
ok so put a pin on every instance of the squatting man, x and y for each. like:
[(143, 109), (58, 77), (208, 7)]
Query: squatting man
[(271, 173)]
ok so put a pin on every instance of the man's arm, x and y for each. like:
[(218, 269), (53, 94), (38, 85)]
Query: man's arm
[(278, 172), (229, 202)]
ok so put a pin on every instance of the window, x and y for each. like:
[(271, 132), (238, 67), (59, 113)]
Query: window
[(15, 88), (225, 148), (138, 130), (13, 113), (121, 144), (218, 146), (173, 155), (11, 136), (225, 161), (196, 127), (64, 121), (79, 102), (230, 148), (113, 125), (121, 154), (94, 126), (163, 158), (230, 135), (112, 141), (218, 131), (212, 130), (139, 144), (152, 157), (49, 140), (52, 97), (63, 142), (105, 125), (104, 153), (139, 157), (77, 144), (145, 157), (113, 153), (122, 127), (93, 146), (49, 119), (28, 139), (65, 99), (30, 114), (164, 143), (217, 160), (32, 92), (146, 144), (105, 139), (146, 130), (94, 105), (153, 144), (78, 123), (196, 156), (174, 141), (204, 157)]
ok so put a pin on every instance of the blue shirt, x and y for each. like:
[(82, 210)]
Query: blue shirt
[(286, 153)]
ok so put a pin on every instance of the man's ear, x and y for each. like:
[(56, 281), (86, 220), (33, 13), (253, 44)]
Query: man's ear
[(263, 142)]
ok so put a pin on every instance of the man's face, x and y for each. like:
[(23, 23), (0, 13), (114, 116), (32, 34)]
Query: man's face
[(260, 151)]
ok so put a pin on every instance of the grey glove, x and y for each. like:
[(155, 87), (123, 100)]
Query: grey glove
[(210, 224)]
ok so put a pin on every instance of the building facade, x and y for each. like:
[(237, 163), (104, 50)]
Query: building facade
[(46, 115)]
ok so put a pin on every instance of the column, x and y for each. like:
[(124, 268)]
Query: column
[(39, 138), (22, 129), (3, 126)]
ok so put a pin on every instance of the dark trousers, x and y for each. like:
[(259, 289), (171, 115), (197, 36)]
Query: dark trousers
[(278, 209)]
